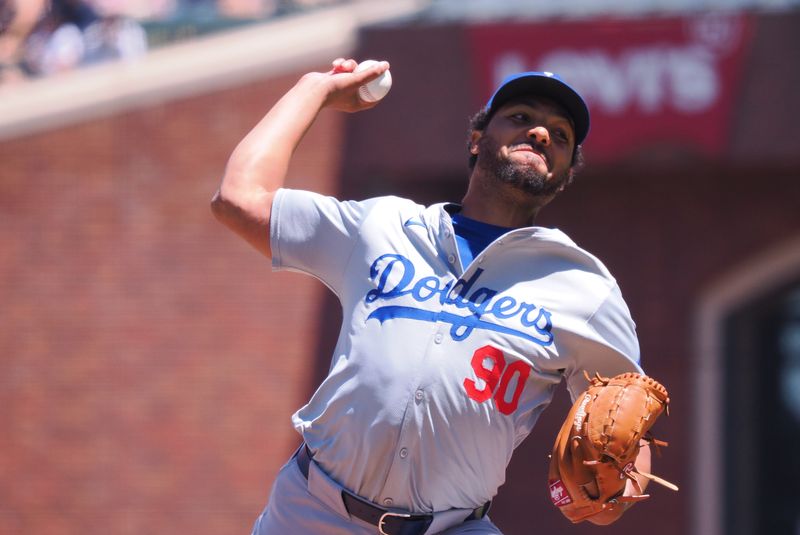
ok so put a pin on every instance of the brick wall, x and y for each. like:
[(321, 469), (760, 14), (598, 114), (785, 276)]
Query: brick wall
[(150, 361)]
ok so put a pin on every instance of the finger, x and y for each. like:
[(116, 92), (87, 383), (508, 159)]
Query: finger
[(379, 68), (335, 65), (373, 72), (344, 65)]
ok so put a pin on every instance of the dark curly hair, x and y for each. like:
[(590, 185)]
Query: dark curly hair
[(481, 119)]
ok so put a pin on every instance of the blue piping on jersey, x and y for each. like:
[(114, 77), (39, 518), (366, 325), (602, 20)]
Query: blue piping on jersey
[(411, 221), (465, 323)]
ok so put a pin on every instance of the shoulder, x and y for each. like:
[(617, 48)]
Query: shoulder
[(389, 210), (310, 200), (394, 203), (556, 243), (299, 195)]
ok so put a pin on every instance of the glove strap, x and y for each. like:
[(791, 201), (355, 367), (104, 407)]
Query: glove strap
[(658, 480)]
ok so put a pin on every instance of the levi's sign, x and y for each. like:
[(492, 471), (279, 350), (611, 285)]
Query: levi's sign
[(649, 83)]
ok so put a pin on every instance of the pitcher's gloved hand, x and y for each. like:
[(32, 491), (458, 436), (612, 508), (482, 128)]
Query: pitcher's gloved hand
[(594, 453)]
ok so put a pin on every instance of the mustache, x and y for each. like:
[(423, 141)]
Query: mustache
[(535, 147)]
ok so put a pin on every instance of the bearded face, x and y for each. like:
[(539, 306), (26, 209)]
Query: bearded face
[(523, 177)]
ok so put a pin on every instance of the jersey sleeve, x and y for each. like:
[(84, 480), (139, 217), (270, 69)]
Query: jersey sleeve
[(314, 234), (611, 347)]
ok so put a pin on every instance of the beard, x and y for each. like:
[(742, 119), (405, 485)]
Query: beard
[(520, 176)]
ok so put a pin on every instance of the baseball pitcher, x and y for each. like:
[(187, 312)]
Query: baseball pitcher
[(460, 319)]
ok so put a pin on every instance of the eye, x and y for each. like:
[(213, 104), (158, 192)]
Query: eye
[(521, 117), (561, 135)]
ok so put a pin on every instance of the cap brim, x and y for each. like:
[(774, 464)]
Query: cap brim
[(544, 85)]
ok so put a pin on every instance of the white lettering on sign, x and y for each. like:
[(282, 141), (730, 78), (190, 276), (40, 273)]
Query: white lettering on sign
[(652, 79), (717, 30)]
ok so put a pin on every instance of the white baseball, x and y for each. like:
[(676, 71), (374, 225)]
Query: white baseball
[(377, 88)]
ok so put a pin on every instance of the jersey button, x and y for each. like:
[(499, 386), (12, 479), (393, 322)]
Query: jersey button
[(403, 453), (418, 395), (451, 259), (438, 338), (388, 502)]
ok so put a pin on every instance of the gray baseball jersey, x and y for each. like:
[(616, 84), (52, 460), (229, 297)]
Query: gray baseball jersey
[(440, 372)]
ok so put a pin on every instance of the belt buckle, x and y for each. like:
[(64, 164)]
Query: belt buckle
[(382, 520)]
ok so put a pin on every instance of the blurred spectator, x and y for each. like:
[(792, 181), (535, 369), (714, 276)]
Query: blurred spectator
[(243, 9), (78, 12), (307, 4), (114, 37), (17, 19), (44, 37), (73, 33), (56, 43), (137, 9), (8, 12)]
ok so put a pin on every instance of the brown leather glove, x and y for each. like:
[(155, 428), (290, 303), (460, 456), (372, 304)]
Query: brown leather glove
[(594, 453)]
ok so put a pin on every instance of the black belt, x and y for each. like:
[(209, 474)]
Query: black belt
[(388, 522)]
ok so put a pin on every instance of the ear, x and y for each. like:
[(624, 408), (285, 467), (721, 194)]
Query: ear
[(473, 141)]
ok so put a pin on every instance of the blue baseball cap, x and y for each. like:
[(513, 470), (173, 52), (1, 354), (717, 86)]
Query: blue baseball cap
[(545, 84)]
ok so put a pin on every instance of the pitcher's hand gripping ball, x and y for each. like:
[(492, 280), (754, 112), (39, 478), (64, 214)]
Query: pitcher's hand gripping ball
[(594, 453), (377, 88)]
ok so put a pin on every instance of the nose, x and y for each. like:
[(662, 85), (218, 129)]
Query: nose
[(540, 134)]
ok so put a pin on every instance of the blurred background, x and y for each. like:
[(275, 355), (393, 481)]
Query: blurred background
[(150, 361)]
